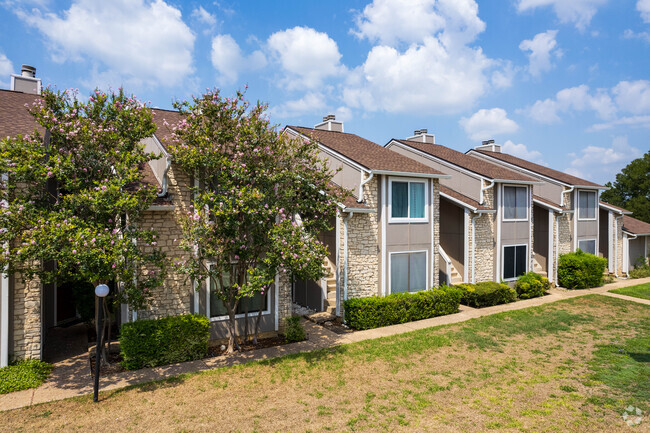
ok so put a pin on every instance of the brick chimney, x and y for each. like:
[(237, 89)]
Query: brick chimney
[(26, 82)]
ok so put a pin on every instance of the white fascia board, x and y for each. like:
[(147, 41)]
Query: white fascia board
[(455, 200), (613, 209), (410, 174), (547, 206), (439, 160), (160, 146), (359, 210), (519, 182)]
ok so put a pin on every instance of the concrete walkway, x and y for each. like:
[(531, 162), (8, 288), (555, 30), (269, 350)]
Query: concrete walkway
[(71, 377)]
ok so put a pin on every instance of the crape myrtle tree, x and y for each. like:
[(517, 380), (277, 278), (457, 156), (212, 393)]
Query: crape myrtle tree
[(261, 201), (74, 196)]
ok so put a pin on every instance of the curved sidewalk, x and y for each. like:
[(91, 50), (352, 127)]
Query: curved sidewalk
[(72, 378)]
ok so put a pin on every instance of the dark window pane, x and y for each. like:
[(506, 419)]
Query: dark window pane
[(399, 199), (508, 262), (520, 260), (417, 200)]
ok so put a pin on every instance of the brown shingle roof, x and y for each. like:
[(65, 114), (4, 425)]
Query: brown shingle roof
[(14, 114), (635, 226), (164, 132), (462, 198), (540, 169), (473, 164), (364, 152)]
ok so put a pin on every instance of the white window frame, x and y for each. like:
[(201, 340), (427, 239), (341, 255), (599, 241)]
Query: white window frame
[(408, 219), (503, 202), (587, 191), (588, 240), (265, 312), (503, 261), (390, 264)]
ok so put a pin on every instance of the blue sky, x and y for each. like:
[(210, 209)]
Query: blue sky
[(561, 82)]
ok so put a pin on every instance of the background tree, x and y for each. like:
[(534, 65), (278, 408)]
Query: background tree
[(632, 188), (75, 196), (263, 199)]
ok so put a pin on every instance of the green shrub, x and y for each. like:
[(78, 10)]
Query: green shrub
[(23, 375), (641, 269), (148, 343), (294, 331), (486, 294), (580, 270), (531, 285), (375, 312)]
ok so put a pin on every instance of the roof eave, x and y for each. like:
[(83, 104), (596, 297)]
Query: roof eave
[(411, 174)]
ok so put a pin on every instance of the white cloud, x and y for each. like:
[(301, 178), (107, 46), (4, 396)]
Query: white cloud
[(307, 57), (573, 99), (140, 42), (485, 124), (629, 34), (643, 6), (228, 59), (521, 151), (6, 69), (204, 16), (390, 22), (541, 48), (629, 121), (312, 102), (578, 12), (601, 164), (633, 96), (422, 63)]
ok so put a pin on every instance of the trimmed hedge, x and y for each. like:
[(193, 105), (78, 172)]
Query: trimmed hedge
[(486, 294), (23, 375), (149, 343), (580, 270), (531, 285), (375, 312)]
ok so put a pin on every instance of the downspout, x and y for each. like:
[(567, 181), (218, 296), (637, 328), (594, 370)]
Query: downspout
[(616, 247), (565, 192), (484, 188), (165, 178), (626, 252), (477, 215), (557, 246), (4, 318), (361, 184), (345, 255)]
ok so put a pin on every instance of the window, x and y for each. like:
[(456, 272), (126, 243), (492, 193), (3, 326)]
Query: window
[(218, 308), (515, 203), (408, 200), (408, 272), (588, 246), (514, 261), (587, 205)]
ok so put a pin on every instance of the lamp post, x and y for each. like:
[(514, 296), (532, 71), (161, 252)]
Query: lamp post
[(100, 291)]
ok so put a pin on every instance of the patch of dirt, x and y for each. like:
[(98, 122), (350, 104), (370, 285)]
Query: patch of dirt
[(262, 343), (114, 364)]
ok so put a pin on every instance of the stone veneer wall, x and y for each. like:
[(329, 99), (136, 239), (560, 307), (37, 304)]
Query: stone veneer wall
[(27, 319), (284, 302), (174, 297), (485, 236), (363, 248)]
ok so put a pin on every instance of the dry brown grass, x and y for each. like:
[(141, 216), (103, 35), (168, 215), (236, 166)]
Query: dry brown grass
[(479, 376)]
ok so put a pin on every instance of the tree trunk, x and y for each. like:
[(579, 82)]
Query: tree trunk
[(258, 319)]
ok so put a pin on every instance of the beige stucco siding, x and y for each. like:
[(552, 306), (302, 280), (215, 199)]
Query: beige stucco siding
[(347, 175)]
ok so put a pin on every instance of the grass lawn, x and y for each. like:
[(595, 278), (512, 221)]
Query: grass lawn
[(639, 291), (570, 366)]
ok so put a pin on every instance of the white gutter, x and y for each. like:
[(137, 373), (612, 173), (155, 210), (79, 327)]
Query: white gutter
[(565, 191), (484, 188), (411, 174), (362, 183), (557, 245), (345, 255), (626, 251)]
